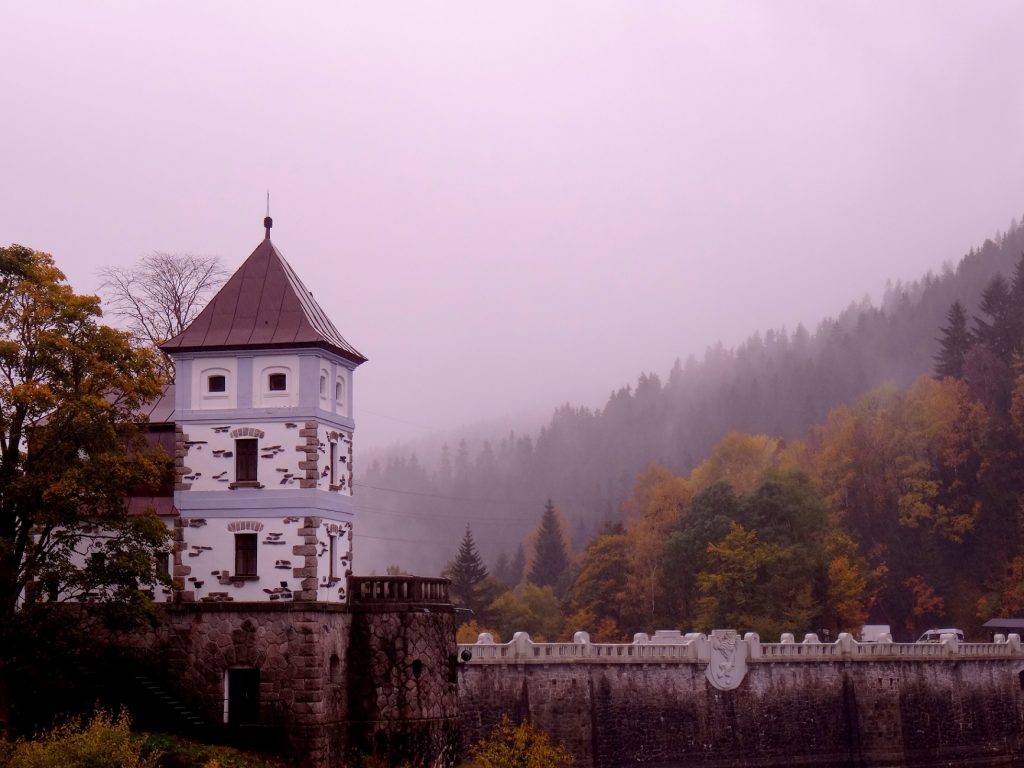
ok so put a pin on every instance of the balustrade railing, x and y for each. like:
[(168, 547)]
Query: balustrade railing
[(398, 589), (695, 647)]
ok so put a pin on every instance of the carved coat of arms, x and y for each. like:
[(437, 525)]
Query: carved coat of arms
[(728, 659)]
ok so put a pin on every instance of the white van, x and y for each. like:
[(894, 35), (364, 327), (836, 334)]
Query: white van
[(935, 635), (875, 633)]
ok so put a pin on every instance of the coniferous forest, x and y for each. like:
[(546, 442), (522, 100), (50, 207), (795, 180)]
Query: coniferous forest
[(872, 469)]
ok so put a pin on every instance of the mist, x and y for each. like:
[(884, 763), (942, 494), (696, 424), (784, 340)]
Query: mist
[(507, 208)]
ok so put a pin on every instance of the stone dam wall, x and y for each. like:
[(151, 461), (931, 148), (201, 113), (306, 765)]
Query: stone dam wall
[(667, 705)]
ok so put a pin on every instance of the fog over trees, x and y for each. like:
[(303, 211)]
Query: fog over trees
[(414, 505)]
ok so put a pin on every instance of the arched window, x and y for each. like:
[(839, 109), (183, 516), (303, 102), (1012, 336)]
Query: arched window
[(323, 385), (339, 393)]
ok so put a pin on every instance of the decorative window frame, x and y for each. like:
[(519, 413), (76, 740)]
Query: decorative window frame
[(289, 383), (244, 433), (204, 383)]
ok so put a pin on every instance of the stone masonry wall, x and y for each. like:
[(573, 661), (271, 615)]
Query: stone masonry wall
[(403, 694), (820, 713), (300, 652)]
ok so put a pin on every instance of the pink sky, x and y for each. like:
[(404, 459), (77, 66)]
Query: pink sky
[(508, 206)]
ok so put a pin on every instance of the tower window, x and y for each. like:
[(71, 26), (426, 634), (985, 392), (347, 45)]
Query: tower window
[(334, 460), (277, 382), (323, 385), (216, 383), (246, 460), (245, 554)]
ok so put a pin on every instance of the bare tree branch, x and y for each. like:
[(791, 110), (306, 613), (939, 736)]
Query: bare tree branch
[(161, 294)]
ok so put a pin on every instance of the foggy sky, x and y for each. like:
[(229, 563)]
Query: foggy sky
[(509, 206)]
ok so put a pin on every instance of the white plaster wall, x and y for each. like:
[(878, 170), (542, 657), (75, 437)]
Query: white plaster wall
[(208, 559), (202, 367), (210, 456), (343, 458), (262, 367)]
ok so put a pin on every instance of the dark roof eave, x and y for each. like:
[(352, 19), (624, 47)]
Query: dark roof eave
[(347, 355)]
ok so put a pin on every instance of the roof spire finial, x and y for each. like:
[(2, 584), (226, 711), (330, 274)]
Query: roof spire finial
[(267, 221)]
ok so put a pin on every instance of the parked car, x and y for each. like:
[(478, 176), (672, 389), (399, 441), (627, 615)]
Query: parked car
[(935, 635)]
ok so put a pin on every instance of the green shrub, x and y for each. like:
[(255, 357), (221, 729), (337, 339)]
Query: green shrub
[(519, 746), (102, 742)]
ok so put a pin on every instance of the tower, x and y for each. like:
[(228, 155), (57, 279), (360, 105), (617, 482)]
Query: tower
[(263, 449)]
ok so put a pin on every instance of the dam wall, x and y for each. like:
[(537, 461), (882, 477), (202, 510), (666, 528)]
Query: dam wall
[(721, 700)]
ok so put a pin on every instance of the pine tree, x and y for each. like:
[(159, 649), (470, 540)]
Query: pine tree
[(994, 332), (1015, 310), (550, 559), (502, 569), (517, 567), (467, 573), (954, 343)]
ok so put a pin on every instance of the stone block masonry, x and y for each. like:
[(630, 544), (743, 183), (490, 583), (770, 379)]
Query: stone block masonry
[(798, 704), (298, 651), (372, 677)]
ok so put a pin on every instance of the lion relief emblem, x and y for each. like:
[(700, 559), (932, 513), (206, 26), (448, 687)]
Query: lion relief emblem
[(728, 662)]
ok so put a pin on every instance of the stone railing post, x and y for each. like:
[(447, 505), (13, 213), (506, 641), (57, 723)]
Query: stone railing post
[(846, 644), (753, 641), (583, 638), (1013, 641), (950, 645), (522, 645), (702, 646)]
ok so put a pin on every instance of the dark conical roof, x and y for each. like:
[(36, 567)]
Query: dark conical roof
[(264, 304)]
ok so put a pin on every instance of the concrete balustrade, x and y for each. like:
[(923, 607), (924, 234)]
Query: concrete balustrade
[(672, 645)]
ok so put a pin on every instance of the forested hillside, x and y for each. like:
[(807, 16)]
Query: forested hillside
[(777, 383)]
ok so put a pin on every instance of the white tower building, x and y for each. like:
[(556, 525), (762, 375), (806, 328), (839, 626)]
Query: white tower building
[(263, 451)]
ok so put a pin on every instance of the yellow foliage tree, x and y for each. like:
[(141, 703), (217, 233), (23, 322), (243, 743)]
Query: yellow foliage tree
[(518, 746), (658, 499), (739, 459)]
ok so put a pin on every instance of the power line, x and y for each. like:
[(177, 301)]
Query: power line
[(453, 516), (443, 497)]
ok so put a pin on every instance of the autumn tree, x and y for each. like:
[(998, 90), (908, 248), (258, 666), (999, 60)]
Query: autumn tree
[(658, 500), (739, 459), (706, 521), (550, 556), (528, 608), (161, 294), (70, 447), (599, 588)]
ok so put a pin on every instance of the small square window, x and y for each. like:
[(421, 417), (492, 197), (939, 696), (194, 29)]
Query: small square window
[(277, 382), (216, 383)]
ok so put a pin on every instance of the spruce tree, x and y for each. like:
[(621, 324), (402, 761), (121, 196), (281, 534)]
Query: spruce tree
[(995, 332), (467, 573), (550, 559), (517, 567), (954, 343), (1015, 310)]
